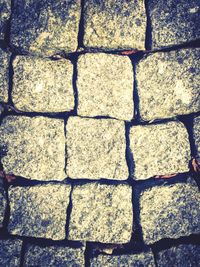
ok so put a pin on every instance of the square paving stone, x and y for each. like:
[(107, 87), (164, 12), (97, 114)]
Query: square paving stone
[(159, 149), (196, 133), (45, 27), (3, 202), (101, 213), (174, 22), (168, 84), (4, 75), (39, 211), (105, 86), (60, 256), (5, 12), (111, 24), (96, 149), (35, 147), (42, 85), (170, 211), (10, 252)]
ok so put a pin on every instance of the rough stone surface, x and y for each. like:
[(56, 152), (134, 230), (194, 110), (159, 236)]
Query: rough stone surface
[(39, 211), (5, 11), (3, 202), (137, 260), (111, 24), (196, 132), (101, 213), (4, 75), (174, 22), (54, 256), (173, 84), (170, 211), (96, 149), (105, 86), (42, 85), (35, 147), (45, 27), (180, 256), (10, 252), (159, 149)]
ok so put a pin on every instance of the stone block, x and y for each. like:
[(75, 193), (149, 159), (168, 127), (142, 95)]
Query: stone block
[(5, 13), (3, 202), (196, 133), (10, 252), (4, 75)]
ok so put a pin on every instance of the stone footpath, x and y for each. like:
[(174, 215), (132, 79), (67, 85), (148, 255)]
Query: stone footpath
[(100, 127)]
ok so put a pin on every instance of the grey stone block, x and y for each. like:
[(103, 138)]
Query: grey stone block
[(39, 211), (4, 75), (196, 133), (10, 252), (5, 12), (101, 213)]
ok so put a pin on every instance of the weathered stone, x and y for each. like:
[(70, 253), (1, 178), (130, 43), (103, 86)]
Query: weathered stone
[(170, 211), (101, 213), (96, 149), (136, 260), (180, 256), (111, 24), (173, 84), (42, 85), (174, 22), (105, 86), (5, 11), (159, 149), (61, 256), (10, 252), (39, 211), (4, 75), (3, 202), (196, 132), (45, 27), (35, 147)]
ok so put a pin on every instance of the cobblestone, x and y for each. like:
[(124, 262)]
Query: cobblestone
[(10, 252), (5, 12), (4, 75), (196, 132), (3, 202)]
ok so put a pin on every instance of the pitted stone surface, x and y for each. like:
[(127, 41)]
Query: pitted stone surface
[(159, 149), (168, 84), (137, 260), (61, 256), (39, 211), (10, 252), (174, 22), (101, 213), (110, 24), (42, 85), (180, 256), (35, 147), (196, 132), (5, 12), (105, 86), (3, 202), (96, 149), (4, 75), (170, 211), (45, 27)]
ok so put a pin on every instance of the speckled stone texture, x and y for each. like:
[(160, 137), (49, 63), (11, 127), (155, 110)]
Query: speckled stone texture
[(168, 84), (101, 213), (170, 211), (39, 211), (105, 86), (45, 27), (3, 202), (35, 147), (111, 24), (4, 75), (61, 256), (10, 252), (137, 260), (196, 133), (42, 85), (174, 22), (5, 11), (159, 149), (96, 149)]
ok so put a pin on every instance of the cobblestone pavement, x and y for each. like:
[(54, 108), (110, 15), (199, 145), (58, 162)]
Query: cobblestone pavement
[(99, 133)]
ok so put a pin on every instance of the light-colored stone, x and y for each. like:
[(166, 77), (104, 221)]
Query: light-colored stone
[(105, 86), (35, 147), (159, 149), (168, 84), (42, 85), (96, 149), (111, 24), (45, 27), (170, 211), (10, 252), (5, 12), (174, 22), (196, 133), (4, 75), (39, 211), (101, 213), (3, 202)]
